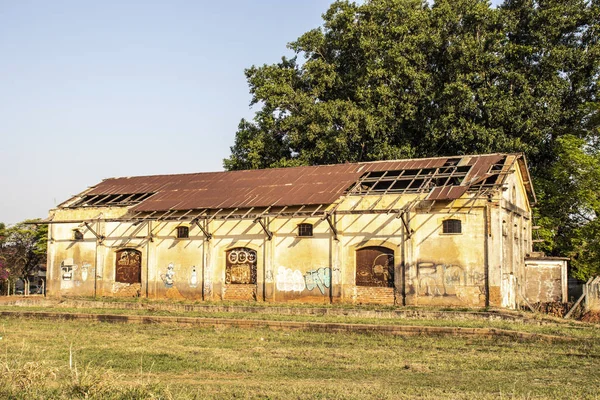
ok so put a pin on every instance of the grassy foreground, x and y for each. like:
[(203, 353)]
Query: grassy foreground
[(559, 328), (78, 359)]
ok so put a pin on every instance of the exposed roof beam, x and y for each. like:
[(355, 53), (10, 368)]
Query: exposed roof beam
[(204, 230), (265, 227), (333, 228), (99, 237)]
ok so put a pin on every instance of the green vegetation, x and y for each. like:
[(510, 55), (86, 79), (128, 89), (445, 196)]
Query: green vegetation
[(538, 326), (110, 361), (389, 79), (22, 248)]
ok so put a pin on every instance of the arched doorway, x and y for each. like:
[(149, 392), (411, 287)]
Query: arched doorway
[(375, 267), (240, 274), (128, 266)]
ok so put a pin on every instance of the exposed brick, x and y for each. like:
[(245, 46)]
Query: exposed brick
[(374, 295), (239, 292)]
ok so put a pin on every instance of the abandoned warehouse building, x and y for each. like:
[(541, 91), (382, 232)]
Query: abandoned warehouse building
[(446, 231)]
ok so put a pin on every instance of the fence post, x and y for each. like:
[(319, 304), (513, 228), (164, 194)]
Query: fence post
[(583, 296)]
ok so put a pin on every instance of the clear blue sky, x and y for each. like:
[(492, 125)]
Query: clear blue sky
[(96, 89)]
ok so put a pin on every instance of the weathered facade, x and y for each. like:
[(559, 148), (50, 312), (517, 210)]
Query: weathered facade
[(450, 231)]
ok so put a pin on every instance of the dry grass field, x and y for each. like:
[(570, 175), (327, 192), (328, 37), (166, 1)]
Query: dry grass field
[(62, 359)]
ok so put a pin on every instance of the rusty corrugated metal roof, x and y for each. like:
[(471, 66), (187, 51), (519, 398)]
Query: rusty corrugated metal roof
[(310, 185)]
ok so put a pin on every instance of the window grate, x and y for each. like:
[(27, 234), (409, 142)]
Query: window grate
[(183, 232), (305, 230), (452, 226)]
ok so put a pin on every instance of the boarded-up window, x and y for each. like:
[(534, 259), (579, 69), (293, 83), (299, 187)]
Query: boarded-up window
[(128, 266), (240, 266), (375, 267)]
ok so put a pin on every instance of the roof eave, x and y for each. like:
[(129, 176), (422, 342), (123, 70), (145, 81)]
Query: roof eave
[(527, 179)]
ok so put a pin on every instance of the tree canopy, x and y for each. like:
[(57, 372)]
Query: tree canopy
[(390, 79), (23, 247)]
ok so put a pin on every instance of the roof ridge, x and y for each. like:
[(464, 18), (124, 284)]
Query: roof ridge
[(307, 166)]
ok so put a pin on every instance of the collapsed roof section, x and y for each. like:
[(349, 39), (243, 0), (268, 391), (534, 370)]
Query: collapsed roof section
[(441, 178)]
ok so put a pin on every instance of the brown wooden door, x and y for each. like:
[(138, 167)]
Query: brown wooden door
[(375, 267), (128, 266)]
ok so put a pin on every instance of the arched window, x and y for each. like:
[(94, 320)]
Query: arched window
[(183, 232), (305, 230), (240, 266), (128, 266), (375, 267), (452, 226)]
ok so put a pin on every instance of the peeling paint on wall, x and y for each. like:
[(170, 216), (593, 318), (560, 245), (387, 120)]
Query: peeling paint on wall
[(268, 276), (446, 280), (124, 289), (118, 286), (336, 274), (207, 281), (543, 282)]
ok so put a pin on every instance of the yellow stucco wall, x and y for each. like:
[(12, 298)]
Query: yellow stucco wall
[(430, 267)]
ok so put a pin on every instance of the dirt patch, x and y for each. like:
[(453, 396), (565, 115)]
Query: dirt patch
[(591, 317), (553, 308)]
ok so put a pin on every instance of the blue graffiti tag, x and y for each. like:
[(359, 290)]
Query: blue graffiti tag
[(320, 278)]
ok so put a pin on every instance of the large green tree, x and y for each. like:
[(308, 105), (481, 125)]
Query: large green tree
[(390, 79), (23, 247)]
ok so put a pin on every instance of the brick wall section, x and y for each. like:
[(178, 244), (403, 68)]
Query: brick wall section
[(374, 295), (129, 290), (240, 292)]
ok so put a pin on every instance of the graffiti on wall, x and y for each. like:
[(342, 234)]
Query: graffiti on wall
[(67, 269), (193, 277), (289, 280), (168, 276), (128, 268), (445, 279), (336, 274), (240, 266), (66, 272), (72, 274), (318, 278), (269, 276), (85, 267), (375, 267)]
